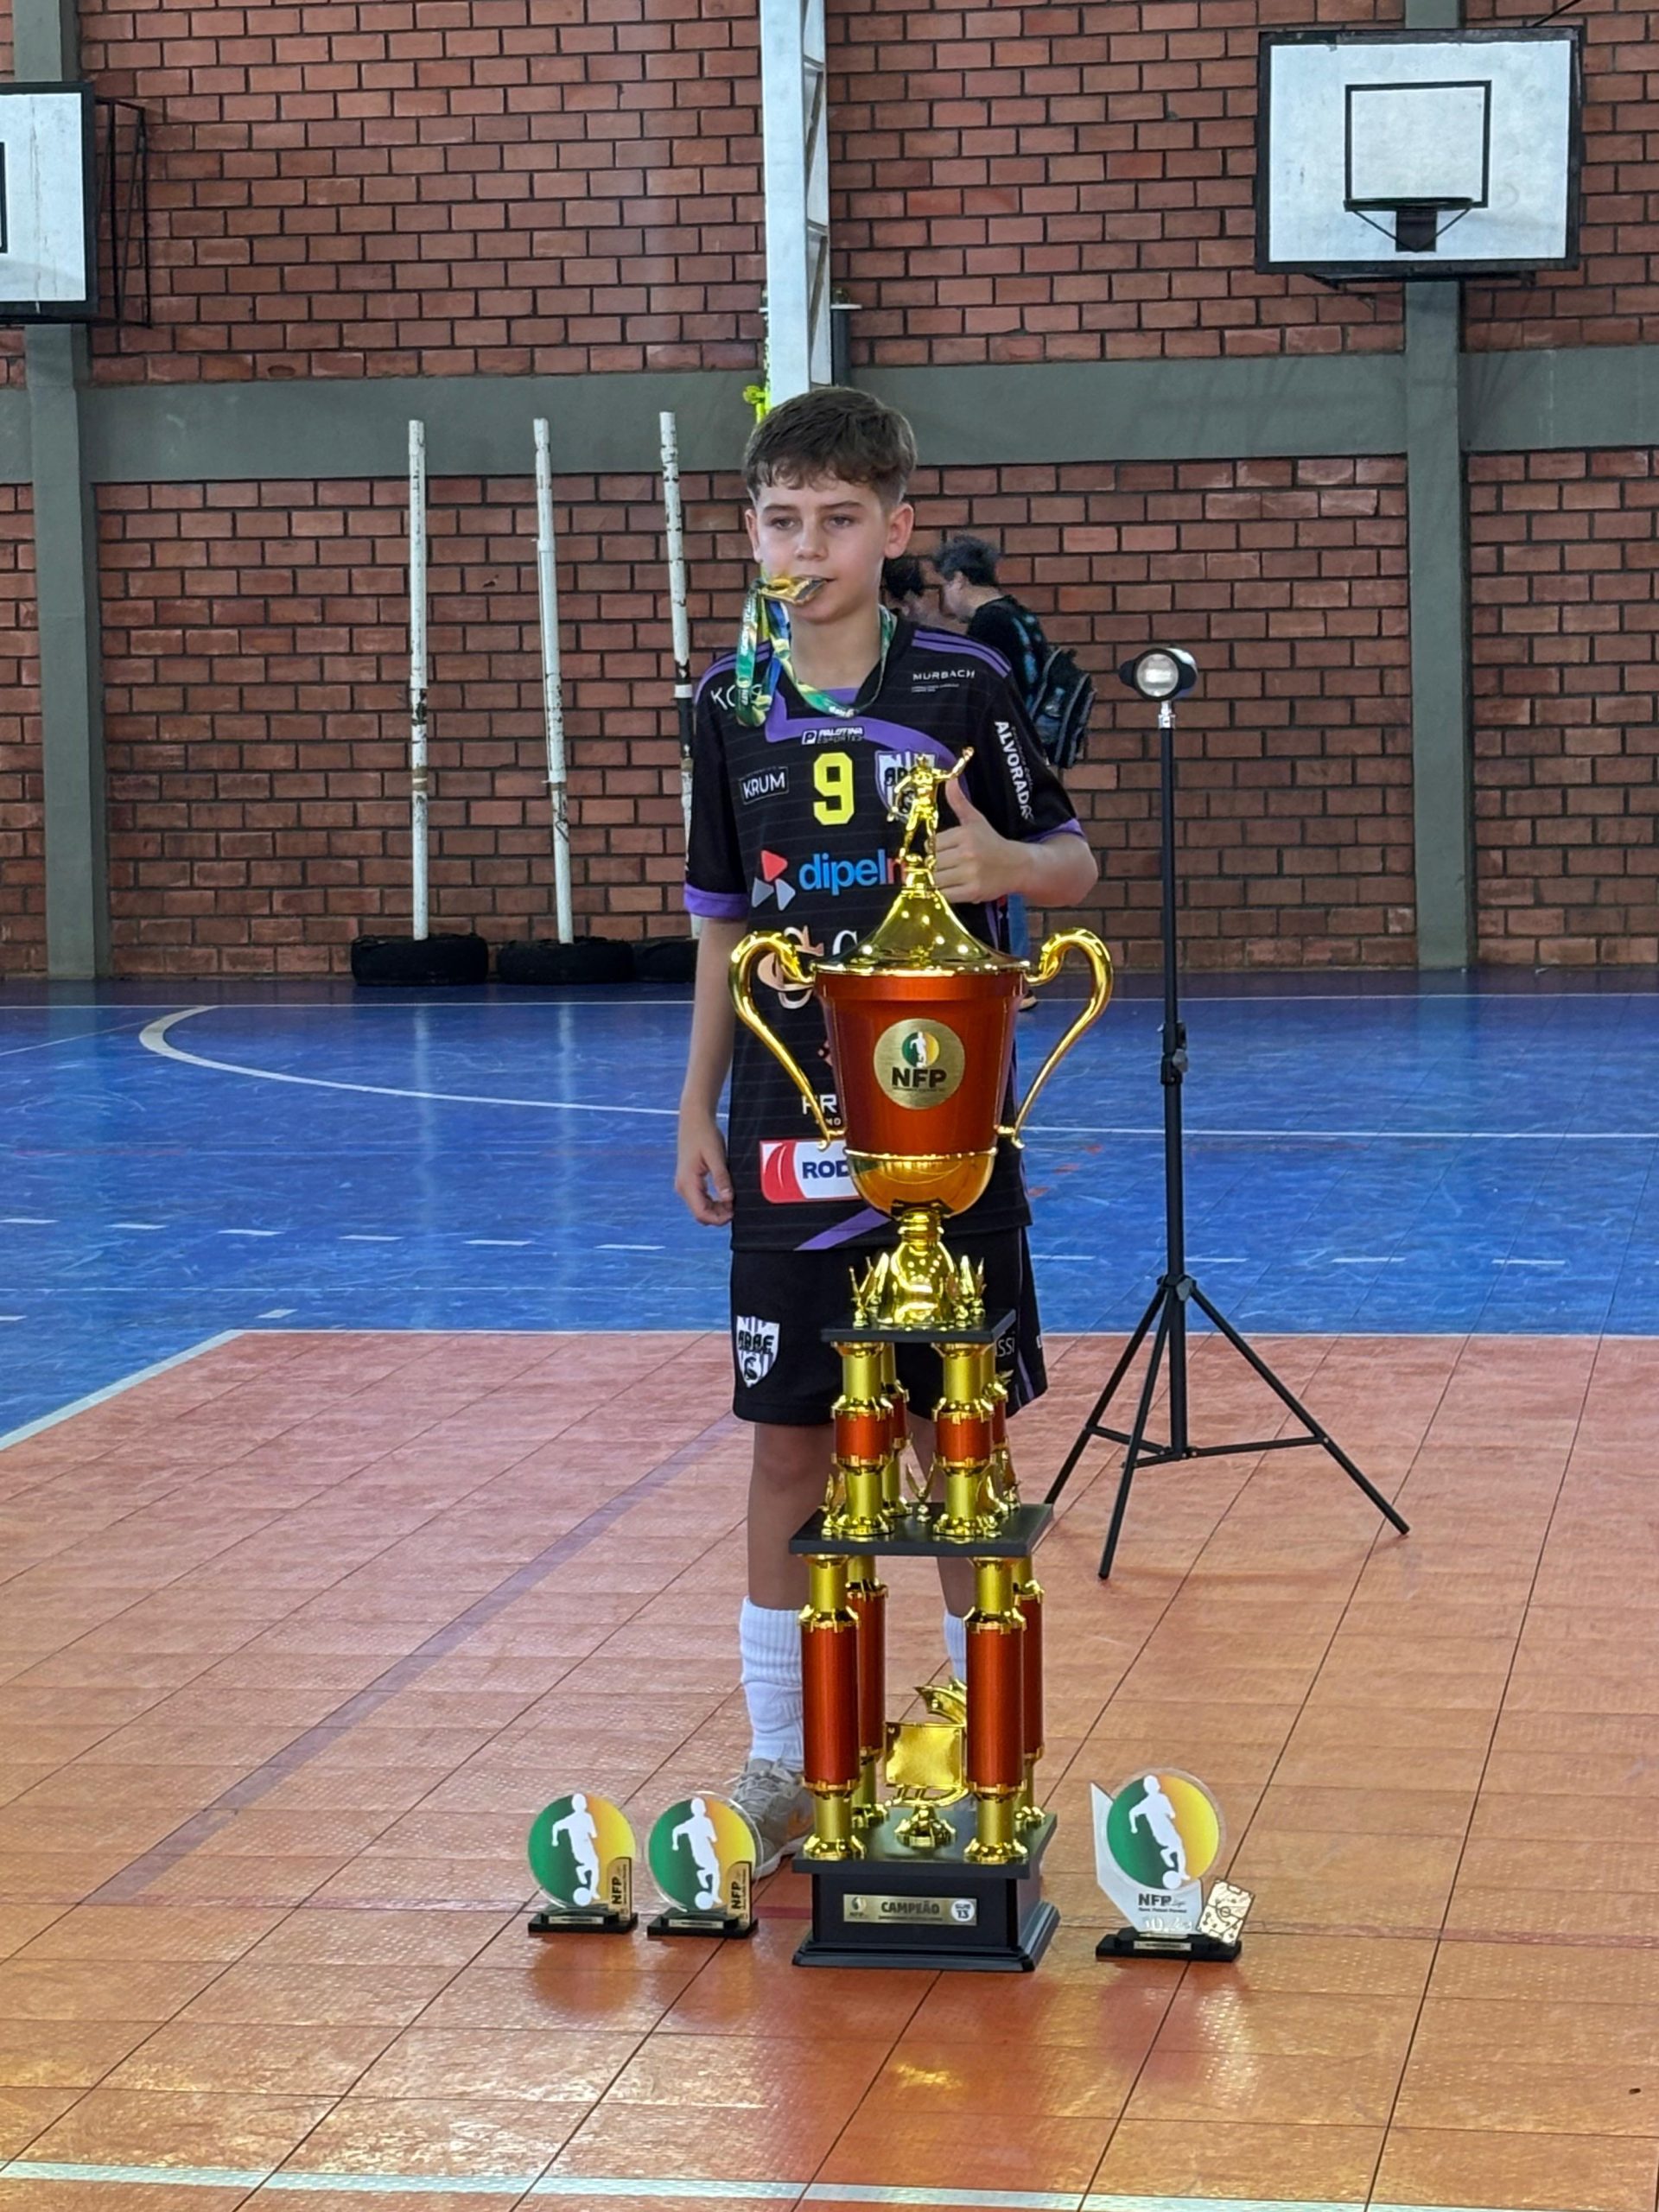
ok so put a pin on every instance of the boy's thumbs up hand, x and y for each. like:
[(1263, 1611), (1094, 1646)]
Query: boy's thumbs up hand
[(971, 861)]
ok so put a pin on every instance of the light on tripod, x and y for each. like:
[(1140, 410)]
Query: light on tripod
[(1161, 672)]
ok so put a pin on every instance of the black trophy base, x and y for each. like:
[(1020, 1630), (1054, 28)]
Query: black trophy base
[(1017, 1538), (932, 1909), (1131, 1943), (983, 1333), (699, 1923), (553, 1920)]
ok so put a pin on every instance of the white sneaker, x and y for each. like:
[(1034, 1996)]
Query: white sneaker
[(777, 1806)]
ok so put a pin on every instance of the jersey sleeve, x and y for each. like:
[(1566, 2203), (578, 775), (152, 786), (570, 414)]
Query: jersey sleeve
[(715, 885), (1008, 778)]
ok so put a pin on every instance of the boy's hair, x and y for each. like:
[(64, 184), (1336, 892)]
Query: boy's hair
[(833, 431), (973, 559)]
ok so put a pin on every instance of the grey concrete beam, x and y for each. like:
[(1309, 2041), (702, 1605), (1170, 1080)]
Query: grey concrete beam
[(46, 47), (1222, 410), (1577, 397), (475, 426), (1044, 411), (1110, 410), (71, 691), (1442, 793)]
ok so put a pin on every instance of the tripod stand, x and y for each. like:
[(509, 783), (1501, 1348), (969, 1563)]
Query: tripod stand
[(1177, 1289)]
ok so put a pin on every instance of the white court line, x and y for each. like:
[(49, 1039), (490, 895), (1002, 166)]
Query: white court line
[(595, 2188), (113, 1390), (153, 1038), (81, 1037), (1357, 1137)]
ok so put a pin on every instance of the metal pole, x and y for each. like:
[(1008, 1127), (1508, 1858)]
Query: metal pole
[(1172, 1071), (418, 676), (679, 617), (795, 155), (547, 594)]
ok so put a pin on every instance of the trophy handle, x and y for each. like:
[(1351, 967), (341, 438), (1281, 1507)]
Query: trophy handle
[(784, 950), (1050, 961)]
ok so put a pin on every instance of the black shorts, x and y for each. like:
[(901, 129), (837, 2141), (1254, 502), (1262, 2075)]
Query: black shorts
[(782, 1302)]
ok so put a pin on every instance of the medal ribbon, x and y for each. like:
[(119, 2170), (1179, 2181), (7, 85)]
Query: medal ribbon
[(765, 621)]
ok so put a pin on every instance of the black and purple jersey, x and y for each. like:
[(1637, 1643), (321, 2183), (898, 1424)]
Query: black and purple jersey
[(790, 830)]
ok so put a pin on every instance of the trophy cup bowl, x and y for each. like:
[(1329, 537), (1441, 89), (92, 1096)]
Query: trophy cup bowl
[(920, 1018)]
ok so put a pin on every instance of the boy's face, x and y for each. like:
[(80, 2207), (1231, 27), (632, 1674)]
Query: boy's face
[(831, 528)]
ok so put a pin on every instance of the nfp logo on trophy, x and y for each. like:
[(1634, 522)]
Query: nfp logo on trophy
[(1156, 1837)]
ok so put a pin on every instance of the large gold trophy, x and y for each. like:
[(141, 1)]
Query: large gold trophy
[(945, 1871)]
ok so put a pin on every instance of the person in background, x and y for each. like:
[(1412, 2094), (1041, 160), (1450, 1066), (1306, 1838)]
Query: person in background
[(971, 595), (906, 589)]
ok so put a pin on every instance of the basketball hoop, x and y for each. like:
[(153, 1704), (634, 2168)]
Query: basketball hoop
[(1417, 227)]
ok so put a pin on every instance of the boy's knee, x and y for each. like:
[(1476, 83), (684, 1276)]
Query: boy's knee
[(790, 1457)]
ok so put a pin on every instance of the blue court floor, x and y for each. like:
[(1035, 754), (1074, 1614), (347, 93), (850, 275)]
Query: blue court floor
[(1364, 1155)]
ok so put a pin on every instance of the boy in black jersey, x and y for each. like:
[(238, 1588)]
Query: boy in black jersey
[(799, 747)]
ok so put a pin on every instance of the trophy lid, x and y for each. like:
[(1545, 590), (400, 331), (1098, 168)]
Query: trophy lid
[(921, 929)]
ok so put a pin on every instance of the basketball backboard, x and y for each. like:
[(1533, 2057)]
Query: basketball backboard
[(48, 203), (1390, 154)]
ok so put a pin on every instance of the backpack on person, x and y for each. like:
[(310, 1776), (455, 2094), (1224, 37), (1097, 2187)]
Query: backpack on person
[(1061, 708)]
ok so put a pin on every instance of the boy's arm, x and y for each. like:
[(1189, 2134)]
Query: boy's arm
[(701, 1175)]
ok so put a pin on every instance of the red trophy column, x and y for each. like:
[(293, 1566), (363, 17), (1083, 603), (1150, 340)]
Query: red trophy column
[(830, 1691)]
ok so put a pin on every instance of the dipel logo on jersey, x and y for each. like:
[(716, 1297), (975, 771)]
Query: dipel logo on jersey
[(821, 872), (794, 1171)]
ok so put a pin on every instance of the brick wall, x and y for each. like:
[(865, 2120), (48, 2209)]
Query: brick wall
[(255, 651), (560, 185), (1287, 580), (1565, 549), (1612, 299), (1067, 182), (256, 654), (23, 868), (422, 185)]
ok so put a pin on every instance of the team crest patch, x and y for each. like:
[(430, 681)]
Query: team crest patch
[(891, 769), (756, 1343)]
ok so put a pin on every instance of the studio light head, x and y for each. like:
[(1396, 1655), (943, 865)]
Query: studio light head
[(1161, 672)]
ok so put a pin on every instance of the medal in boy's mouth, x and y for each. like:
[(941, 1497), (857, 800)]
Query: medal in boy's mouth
[(792, 591)]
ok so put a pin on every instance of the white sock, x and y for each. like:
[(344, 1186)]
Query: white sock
[(956, 1644), (769, 1642)]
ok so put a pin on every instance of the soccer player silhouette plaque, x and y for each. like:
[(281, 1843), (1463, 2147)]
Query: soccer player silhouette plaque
[(1156, 1837), (703, 1854), (582, 1853)]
